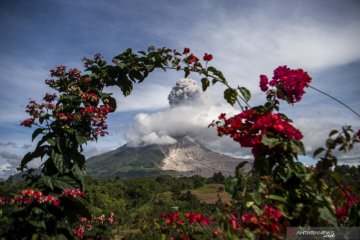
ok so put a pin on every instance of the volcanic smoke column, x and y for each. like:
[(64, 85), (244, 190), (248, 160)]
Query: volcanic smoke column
[(184, 92)]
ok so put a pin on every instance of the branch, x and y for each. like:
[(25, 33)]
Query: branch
[(336, 100)]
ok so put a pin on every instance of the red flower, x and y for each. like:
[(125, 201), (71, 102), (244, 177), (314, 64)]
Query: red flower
[(28, 122), (186, 50), (74, 71), (249, 218), (233, 222), (195, 217), (2, 201), (263, 83), (184, 236), (79, 231), (191, 217), (222, 116), (289, 83), (208, 57), (171, 218), (87, 80), (49, 97), (72, 193), (249, 127), (341, 213), (60, 70), (97, 56), (56, 202), (192, 59), (49, 82), (272, 213), (216, 234)]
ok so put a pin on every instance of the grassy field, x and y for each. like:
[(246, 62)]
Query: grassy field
[(210, 193)]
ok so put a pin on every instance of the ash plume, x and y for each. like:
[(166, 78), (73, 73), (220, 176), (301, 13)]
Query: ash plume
[(184, 92)]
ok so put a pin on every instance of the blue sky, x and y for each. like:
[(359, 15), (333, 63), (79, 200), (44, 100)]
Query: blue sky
[(247, 38)]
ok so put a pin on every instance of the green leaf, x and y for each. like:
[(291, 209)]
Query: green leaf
[(230, 95), (242, 164), (333, 132), (327, 216), (276, 198), (35, 236), (150, 68), (80, 139), (205, 83), (330, 143), (39, 152), (26, 159), (256, 197), (270, 142), (112, 103), (214, 81), (318, 151), (297, 147), (51, 141), (186, 71), (48, 182), (63, 182), (230, 185), (37, 224), (337, 176), (262, 165), (136, 75), (37, 132), (245, 93), (79, 160), (125, 85), (58, 161)]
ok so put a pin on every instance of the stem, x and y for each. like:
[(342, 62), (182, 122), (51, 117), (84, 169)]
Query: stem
[(336, 100)]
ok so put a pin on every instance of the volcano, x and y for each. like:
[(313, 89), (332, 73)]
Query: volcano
[(186, 157)]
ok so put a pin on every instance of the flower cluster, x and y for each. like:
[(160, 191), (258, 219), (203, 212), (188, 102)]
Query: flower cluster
[(28, 122), (49, 97), (70, 76), (2, 201), (191, 217), (196, 217), (288, 84), (87, 227), (177, 223), (171, 218), (268, 222), (72, 193), (207, 57), (95, 115), (191, 60), (58, 71), (249, 127), (29, 196), (348, 200)]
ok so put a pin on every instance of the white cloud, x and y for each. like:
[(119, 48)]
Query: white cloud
[(316, 132), (249, 40), (190, 119), (5, 170), (144, 97)]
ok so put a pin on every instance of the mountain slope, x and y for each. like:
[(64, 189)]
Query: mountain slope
[(186, 157)]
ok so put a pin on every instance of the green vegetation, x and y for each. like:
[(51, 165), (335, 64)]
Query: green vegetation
[(137, 202)]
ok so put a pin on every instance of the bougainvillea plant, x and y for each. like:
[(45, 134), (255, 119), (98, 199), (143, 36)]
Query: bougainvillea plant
[(75, 112)]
